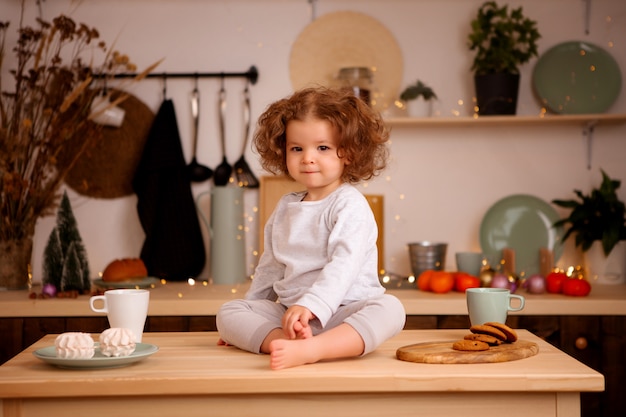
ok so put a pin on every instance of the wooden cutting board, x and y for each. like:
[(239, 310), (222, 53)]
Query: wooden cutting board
[(442, 352)]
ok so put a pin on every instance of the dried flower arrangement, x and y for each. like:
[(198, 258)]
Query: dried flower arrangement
[(48, 109)]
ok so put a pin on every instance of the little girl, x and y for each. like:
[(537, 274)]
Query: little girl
[(315, 293)]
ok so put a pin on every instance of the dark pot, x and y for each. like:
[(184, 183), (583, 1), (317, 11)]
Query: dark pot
[(496, 93)]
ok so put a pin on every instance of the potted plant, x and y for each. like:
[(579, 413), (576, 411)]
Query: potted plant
[(598, 221), (418, 99), (503, 40)]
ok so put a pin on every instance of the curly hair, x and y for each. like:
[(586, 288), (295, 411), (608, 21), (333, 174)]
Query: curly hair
[(362, 135)]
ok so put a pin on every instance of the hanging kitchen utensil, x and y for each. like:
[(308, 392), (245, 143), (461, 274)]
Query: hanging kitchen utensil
[(197, 172), (221, 176), (245, 176)]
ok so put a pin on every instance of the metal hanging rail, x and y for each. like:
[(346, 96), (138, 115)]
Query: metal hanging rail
[(252, 74)]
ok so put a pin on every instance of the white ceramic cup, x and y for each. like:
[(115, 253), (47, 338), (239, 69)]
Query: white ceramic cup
[(490, 304), (104, 113), (470, 262), (126, 308)]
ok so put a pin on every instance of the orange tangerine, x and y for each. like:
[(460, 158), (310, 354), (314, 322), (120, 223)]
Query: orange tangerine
[(441, 282), (463, 281), (423, 281)]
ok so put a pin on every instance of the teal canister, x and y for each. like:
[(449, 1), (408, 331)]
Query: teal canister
[(228, 261)]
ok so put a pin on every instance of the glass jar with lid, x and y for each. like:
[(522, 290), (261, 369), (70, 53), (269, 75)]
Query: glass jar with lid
[(360, 80)]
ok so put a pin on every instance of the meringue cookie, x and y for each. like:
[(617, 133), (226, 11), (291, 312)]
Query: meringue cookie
[(74, 345), (117, 342)]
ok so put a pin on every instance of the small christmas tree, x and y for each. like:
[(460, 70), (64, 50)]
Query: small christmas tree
[(72, 275), (65, 259), (53, 260)]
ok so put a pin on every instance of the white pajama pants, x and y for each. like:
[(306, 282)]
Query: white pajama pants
[(246, 323)]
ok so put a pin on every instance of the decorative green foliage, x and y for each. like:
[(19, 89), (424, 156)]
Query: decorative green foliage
[(53, 260), (597, 216), (72, 275), (416, 90), (502, 40), (65, 259)]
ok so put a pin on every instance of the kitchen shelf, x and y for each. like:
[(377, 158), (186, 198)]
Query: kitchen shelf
[(587, 121), (568, 119)]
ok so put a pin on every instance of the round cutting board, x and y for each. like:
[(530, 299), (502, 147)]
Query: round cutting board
[(442, 352)]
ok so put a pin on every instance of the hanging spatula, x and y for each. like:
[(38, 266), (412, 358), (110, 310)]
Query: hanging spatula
[(245, 176), (222, 172)]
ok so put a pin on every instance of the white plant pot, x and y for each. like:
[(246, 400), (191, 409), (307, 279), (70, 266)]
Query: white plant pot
[(419, 107), (606, 269)]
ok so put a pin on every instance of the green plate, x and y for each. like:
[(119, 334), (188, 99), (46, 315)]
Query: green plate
[(522, 223), (148, 282), (577, 78), (142, 351)]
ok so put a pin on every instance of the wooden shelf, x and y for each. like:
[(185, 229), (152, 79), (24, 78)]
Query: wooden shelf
[(568, 119)]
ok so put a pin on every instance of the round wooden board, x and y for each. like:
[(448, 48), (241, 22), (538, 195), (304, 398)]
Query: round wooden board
[(442, 352), (347, 39)]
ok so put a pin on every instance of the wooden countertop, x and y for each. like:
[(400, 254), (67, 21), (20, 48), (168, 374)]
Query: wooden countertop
[(201, 299), (193, 364)]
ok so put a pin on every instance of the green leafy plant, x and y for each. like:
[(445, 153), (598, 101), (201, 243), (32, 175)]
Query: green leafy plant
[(597, 216), (503, 41), (416, 90)]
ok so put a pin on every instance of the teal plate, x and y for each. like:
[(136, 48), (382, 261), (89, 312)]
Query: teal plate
[(99, 361), (522, 223), (148, 282), (577, 78)]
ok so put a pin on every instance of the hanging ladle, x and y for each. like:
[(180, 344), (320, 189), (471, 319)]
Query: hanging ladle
[(221, 176), (197, 172), (245, 176)]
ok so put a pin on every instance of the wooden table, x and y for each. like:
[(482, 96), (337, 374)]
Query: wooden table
[(191, 376)]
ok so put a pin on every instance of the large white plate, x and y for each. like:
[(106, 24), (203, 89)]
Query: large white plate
[(142, 351), (523, 223), (576, 78)]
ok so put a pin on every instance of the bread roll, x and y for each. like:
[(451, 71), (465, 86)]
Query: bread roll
[(127, 269)]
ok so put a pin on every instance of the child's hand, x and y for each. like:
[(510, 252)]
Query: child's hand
[(296, 321)]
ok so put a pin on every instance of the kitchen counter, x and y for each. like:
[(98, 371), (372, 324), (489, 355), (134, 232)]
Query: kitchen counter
[(190, 375), (182, 299)]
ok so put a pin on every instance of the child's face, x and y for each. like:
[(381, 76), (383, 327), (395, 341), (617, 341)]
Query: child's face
[(312, 156)]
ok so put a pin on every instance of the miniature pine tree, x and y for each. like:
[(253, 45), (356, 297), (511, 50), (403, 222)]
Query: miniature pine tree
[(53, 260), (65, 258), (71, 277)]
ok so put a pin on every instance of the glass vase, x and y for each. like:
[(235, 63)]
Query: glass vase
[(15, 260)]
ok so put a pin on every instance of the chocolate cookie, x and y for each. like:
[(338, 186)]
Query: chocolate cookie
[(490, 340), (511, 335), (470, 345), (490, 330)]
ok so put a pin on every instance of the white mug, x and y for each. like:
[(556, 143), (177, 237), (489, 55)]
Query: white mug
[(125, 308), (490, 304)]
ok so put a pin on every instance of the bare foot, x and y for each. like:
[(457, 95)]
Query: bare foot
[(221, 342), (289, 353), (339, 342)]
